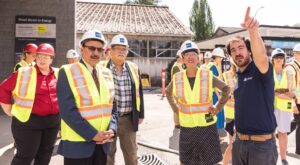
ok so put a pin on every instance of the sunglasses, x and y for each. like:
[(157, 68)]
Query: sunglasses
[(93, 49)]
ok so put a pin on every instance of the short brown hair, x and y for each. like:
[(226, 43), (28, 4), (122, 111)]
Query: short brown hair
[(238, 38)]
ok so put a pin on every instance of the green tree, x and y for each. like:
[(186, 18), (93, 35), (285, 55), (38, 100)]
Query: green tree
[(144, 2), (201, 22)]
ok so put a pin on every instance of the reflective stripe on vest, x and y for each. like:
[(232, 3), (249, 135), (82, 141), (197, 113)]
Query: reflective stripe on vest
[(23, 63), (287, 82), (24, 93), (93, 106), (135, 74), (193, 104), (230, 80)]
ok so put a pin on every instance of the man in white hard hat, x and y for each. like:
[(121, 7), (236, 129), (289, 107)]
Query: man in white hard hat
[(85, 92), (72, 56), (129, 100), (294, 66)]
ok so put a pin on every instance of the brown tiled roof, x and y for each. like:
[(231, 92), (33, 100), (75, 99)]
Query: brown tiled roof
[(128, 19)]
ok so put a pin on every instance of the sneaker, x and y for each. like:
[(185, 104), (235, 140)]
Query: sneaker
[(284, 162)]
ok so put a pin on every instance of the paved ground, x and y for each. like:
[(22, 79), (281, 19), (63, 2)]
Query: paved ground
[(155, 131)]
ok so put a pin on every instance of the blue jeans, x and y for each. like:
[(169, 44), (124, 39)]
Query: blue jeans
[(254, 153)]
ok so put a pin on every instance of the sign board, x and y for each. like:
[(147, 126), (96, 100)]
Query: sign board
[(34, 29)]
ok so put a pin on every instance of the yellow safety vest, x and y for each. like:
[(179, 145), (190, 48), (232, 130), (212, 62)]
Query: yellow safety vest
[(179, 66), (104, 63), (24, 93), (230, 80), (134, 70), (93, 106), (297, 78), (135, 74), (23, 63), (209, 65), (194, 104), (287, 82)]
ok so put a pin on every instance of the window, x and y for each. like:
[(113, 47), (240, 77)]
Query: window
[(153, 48)]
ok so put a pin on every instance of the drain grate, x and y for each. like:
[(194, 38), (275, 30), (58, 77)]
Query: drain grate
[(150, 159)]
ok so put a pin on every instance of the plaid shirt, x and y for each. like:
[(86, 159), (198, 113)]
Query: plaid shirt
[(123, 95)]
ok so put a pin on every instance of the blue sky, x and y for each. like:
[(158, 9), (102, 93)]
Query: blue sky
[(230, 13)]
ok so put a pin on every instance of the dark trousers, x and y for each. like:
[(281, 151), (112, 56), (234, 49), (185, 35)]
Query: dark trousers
[(296, 125), (35, 139), (254, 153), (97, 158)]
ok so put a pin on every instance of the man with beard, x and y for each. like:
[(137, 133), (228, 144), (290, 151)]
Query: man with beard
[(254, 97), (85, 93)]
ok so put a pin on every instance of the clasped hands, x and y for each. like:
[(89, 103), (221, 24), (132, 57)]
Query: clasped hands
[(104, 136)]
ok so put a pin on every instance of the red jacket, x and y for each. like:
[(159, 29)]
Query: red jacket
[(45, 101)]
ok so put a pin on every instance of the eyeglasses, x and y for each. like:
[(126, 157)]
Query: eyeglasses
[(190, 54), (93, 49), (120, 49), (42, 57)]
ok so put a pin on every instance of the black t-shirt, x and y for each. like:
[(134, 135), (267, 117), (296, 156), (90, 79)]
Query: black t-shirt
[(254, 101)]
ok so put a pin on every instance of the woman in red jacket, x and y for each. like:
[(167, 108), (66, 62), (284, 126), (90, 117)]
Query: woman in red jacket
[(35, 119)]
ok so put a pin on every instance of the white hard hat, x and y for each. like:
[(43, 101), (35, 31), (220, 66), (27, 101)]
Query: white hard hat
[(93, 35), (72, 54), (207, 55), (189, 45), (278, 51), (178, 53), (119, 40), (218, 52), (297, 48)]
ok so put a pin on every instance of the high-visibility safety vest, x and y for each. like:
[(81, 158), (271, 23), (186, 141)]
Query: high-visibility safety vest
[(287, 82), (297, 78), (230, 80), (24, 93), (23, 63), (104, 63), (174, 65), (194, 104), (134, 70), (94, 107)]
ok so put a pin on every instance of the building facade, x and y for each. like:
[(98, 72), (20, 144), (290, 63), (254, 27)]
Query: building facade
[(153, 32)]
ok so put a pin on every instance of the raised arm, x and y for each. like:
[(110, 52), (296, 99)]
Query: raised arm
[(258, 49)]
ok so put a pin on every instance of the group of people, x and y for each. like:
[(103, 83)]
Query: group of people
[(92, 104), (256, 98)]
